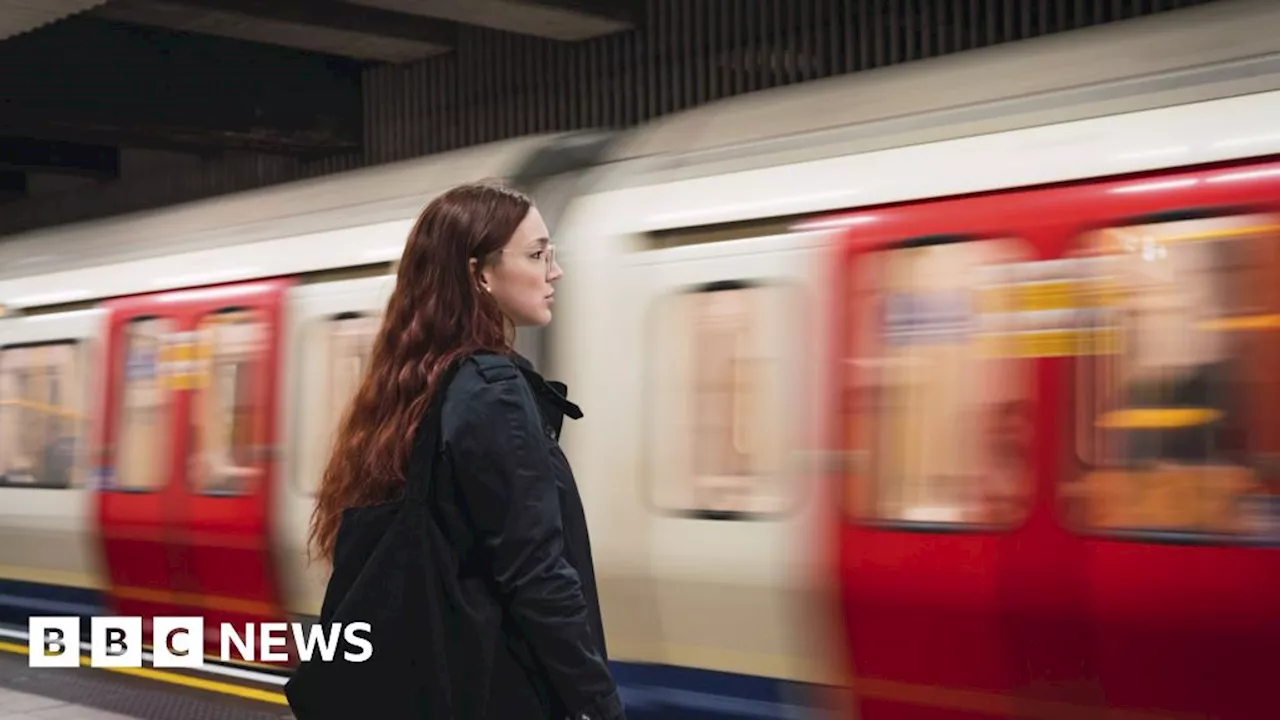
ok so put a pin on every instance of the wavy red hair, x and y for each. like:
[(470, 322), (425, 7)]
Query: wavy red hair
[(436, 315)]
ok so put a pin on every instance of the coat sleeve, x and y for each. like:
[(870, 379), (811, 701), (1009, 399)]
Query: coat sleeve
[(509, 489)]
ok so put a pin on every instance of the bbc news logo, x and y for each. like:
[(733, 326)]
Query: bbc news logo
[(178, 642)]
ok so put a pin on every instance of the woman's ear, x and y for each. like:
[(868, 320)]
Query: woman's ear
[(473, 266)]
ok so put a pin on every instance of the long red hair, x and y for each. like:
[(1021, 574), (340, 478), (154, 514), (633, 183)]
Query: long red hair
[(436, 314)]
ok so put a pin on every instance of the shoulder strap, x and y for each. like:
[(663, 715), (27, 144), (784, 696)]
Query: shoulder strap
[(493, 367), (427, 441)]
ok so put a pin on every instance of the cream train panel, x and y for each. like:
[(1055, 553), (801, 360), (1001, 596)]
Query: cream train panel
[(595, 357), (329, 329), (47, 535), (583, 341), (670, 443)]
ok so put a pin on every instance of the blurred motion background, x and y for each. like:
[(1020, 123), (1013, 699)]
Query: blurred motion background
[(927, 347)]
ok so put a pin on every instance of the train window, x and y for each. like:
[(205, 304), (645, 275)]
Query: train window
[(719, 430), (938, 391), (1178, 430), (143, 442), (228, 452), (343, 344), (42, 416)]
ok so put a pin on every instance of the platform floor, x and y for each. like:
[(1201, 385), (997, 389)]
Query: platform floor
[(16, 705), (94, 694)]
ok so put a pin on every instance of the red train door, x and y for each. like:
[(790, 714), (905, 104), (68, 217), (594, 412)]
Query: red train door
[(952, 608), (925, 551), (1175, 441), (189, 459)]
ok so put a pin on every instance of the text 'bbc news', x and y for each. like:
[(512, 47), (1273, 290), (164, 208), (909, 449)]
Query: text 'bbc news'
[(178, 642)]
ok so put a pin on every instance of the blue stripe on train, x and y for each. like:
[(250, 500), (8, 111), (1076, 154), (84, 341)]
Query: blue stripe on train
[(19, 600), (649, 691), (663, 691)]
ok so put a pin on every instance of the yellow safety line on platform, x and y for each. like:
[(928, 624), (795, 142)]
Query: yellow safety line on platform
[(175, 679)]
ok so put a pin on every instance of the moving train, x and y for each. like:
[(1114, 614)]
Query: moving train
[(946, 390)]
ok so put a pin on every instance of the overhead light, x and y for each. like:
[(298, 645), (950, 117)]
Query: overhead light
[(1155, 186), (1245, 175), (834, 223)]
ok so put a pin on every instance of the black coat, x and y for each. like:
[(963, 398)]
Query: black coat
[(484, 607)]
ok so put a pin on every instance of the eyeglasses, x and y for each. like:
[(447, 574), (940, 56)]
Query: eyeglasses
[(548, 259)]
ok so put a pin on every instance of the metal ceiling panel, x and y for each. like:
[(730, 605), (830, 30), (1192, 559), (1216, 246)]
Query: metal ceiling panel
[(346, 42), (20, 16), (515, 16)]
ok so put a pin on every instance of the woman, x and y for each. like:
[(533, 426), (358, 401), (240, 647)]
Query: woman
[(527, 639)]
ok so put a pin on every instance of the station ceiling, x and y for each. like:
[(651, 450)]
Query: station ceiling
[(20, 16), (85, 77)]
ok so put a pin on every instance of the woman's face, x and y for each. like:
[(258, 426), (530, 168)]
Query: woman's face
[(521, 277)]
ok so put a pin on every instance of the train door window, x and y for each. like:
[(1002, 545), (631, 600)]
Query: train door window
[(939, 386), (343, 344), (718, 428), (1178, 430), (351, 346), (228, 426), (142, 443), (41, 415)]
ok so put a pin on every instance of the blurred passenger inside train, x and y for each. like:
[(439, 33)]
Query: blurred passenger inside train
[(516, 621), (1186, 361), (1181, 436)]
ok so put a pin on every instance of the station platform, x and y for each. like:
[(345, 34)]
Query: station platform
[(16, 705), (85, 693)]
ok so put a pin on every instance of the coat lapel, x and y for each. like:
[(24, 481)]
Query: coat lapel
[(553, 400)]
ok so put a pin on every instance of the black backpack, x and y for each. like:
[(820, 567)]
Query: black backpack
[(392, 569)]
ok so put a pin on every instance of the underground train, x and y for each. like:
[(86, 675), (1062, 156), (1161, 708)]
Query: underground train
[(937, 391)]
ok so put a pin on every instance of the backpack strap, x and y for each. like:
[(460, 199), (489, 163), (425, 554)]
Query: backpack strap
[(494, 368), (427, 441)]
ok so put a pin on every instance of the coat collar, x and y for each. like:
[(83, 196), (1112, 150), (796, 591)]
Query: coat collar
[(551, 391)]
